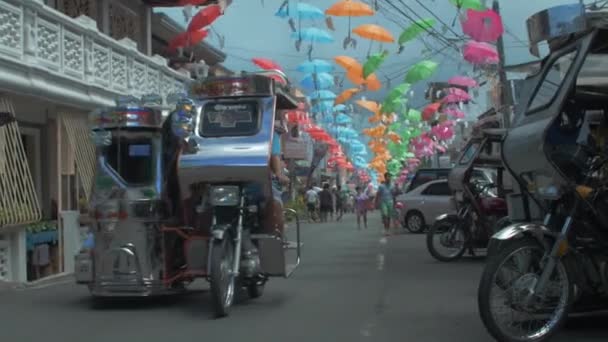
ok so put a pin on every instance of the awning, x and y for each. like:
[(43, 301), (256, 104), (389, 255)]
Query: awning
[(78, 134), (18, 199)]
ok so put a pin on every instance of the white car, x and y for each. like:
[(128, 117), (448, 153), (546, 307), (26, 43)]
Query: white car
[(421, 206)]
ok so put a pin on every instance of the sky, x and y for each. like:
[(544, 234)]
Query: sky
[(252, 30)]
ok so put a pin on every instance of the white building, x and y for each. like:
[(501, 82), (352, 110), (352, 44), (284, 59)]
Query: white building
[(59, 59)]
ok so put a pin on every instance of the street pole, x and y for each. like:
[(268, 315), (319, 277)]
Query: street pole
[(505, 88)]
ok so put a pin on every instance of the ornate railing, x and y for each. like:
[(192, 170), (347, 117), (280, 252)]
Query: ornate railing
[(53, 45)]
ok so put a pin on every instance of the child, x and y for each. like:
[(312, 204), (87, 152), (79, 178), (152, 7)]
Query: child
[(361, 203)]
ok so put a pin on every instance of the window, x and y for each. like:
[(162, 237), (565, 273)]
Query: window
[(469, 154), (132, 158), (438, 189), (554, 77), (235, 118)]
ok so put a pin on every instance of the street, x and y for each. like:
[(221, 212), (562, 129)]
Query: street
[(352, 286)]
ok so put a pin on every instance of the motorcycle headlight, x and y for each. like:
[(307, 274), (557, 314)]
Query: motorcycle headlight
[(549, 192), (224, 196)]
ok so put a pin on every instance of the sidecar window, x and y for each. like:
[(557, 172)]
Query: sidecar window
[(132, 159), (229, 119), (552, 82), (469, 154)]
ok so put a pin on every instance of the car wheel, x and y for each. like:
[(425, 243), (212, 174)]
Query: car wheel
[(414, 222)]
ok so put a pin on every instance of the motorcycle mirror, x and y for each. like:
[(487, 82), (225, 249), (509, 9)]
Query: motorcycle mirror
[(6, 118)]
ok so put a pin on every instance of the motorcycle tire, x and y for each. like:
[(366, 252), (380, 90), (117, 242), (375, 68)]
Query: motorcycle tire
[(486, 284), (221, 278), (430, 243)]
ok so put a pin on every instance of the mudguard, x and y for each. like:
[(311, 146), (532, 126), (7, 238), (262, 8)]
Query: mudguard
[(519, 230), (447, 217)]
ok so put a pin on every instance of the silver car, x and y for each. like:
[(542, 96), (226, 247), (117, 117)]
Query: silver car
[(420, 207)]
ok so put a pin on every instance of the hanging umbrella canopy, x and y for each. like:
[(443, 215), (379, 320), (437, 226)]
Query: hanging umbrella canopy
[(454, 112), (346, 95), (430, 110), (463, 81), (479, 53), (468, 4), (266, 64), (483, 26), (316, 66), (343, 119), (414, 115), (187, 38), (415, 29), (355, 75), (204, 17), (372, 83), (398, 92), (322, 95), (349, 8), (374, 32), (301, 11), (372, 106), (420, 71), (313, 35), (317, 81), (347, 62), (456, 95), (374, 62)]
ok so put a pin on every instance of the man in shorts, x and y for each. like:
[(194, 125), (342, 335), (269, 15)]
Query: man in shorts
[(384, 201), (312, 199)]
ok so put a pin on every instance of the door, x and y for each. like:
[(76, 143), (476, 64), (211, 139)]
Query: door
[(436, 200)]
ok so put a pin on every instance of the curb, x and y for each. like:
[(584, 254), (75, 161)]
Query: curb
[(56, 279)]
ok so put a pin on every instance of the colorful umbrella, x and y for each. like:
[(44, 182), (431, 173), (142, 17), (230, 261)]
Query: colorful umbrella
[(372, 83), (346, 95), (373, 62), (347, 62), (266, 64), (420, 71), (456, 95), (483, 26), (302, 11), (374, 32), (414, 115), (323, 95), (430, 110), (468, 4), (454, 112), (414, 30), (204, 17), (372, 106), (315, 66), (463, 81), (349, 8), (480, 53), (187, 38), (318, 81), (311, 35)]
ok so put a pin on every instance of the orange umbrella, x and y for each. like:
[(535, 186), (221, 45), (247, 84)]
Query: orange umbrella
[(372, 106), (377, 117), (355, 75), (347, 62), (372, 83), (374, 32), (394, 137), (346, 95), (349, 8)]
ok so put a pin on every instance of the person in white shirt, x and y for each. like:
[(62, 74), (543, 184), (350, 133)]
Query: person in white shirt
[(312, 198)]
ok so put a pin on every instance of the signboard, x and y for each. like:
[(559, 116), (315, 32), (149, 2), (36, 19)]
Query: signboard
[(295, 148)]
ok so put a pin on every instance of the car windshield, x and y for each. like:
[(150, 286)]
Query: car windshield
[(234, 118)]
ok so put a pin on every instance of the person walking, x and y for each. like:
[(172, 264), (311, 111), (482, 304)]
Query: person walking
[(326, 202), (361, 204), (384, 201), (340, 203), (312, 200)]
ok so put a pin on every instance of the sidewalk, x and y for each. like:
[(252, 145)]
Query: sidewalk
[(38, 284)]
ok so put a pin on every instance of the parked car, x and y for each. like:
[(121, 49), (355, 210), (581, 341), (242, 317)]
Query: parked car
[(424, 176), (423, 204)]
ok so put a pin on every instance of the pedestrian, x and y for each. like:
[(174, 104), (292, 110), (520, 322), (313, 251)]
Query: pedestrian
[(312, 200), (384, 201), (361, 204), (340, 202), (325, 202)]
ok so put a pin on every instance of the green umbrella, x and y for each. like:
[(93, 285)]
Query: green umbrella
[(421, 71), (373, 62), (469, 4), (414, 115), (398, 92), (414, 30), (392, 105)]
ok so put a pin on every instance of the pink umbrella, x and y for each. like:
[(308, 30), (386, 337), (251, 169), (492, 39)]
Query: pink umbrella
[(454, 112), (480, 53), (456, 95), (266, 64), (483, 26), (463, 81)]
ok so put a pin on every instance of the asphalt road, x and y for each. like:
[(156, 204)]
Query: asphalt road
[(352, 286)]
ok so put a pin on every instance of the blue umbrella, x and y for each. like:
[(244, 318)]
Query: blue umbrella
[(302, 11), (318, 81), (343, 119), (339, 108), (313, 35), (316, 66), (322, 95)]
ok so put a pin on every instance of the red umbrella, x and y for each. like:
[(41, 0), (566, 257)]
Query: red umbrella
[(430, 110), (187, 39), (266, 64), (480, 53), (483, 26), (204, 17)]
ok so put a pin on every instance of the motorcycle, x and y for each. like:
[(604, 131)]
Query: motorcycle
[(480, 210), (540, 273)]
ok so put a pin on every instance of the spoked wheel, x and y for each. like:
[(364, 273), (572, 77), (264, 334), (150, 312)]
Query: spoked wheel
[(446, 240), (222, 278), (506, 307), (414, 222)]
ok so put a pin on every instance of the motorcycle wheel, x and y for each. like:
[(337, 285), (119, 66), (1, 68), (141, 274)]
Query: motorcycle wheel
[(491, 310), (255, 290), (222, 279), (441, 229)]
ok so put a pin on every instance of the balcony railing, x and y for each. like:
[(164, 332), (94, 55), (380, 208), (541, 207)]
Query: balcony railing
[(71, 58)]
